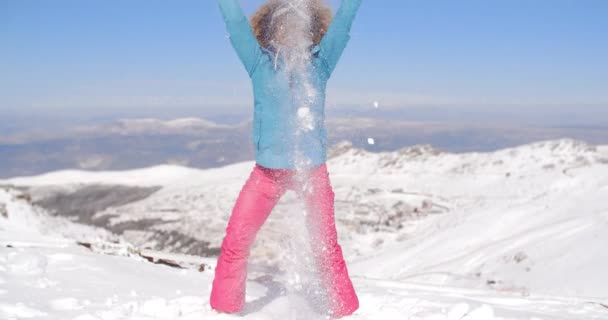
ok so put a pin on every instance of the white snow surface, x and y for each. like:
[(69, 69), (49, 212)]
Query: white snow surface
[(513, 234)]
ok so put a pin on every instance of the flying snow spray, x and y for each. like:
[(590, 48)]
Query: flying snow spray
[(292, 41)]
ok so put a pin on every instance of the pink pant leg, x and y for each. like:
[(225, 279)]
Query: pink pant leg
[(319, 199), (256, 200)]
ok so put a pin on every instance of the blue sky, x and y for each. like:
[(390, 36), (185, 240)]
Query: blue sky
[(136, 54)]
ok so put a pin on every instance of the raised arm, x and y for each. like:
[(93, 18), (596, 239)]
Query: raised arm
[(241, 35), (333, 43)]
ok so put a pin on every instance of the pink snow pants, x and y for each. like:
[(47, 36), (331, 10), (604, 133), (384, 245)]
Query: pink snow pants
[(259, 195)]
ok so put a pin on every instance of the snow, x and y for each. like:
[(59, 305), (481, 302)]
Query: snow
[(143, 124), (151, 176), (94, 286), (513, 234)]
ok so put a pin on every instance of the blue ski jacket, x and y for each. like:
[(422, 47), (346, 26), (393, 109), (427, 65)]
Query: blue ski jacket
[(275, 108)]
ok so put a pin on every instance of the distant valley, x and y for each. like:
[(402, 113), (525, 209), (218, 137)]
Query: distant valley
[(195, 142)]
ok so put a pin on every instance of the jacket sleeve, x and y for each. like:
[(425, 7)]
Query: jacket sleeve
[(333, 43), (242, 38)]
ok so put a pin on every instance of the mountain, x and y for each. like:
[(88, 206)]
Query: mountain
[(132, 143), (47, 273), (501, 220)]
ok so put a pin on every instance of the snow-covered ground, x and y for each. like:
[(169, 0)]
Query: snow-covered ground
[(513, 234)]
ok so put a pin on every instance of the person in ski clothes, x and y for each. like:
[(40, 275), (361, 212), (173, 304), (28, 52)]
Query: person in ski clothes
[(275, 169)]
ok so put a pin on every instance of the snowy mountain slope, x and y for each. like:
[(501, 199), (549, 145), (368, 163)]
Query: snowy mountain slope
[(129, 126), (197, 204), (520, 219), (514, 220), (30, 223), (172, 219), (152, 176), (42, 280)]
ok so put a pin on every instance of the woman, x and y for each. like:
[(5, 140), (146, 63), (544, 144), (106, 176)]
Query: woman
[(289, 51)]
